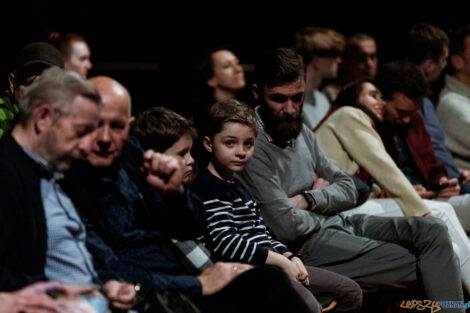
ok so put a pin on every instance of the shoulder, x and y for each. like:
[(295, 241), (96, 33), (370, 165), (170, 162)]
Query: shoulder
[(207, 186)]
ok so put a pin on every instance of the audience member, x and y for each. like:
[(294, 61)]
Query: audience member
[(165, 131), (359, 60), (454, 109), (349, 138), (130, 225), (301, 193), (408, 142), (321, 49), (428, 47), (30, 61), (234, 231), (42, 236), (75, 51)]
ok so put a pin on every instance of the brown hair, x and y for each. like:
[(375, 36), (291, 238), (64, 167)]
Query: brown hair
[(318, 41), (159, 128), (230, 111)]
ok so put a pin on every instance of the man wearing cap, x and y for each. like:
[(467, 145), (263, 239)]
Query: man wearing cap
[(30, 61)]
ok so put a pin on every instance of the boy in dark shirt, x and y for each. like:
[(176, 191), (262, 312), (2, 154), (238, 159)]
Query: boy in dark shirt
[(235, 230)]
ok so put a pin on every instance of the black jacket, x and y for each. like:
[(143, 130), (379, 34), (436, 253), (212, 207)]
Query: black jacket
[(23, 229)]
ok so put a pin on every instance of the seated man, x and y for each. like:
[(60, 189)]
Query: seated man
[(321, 49), (130, 225), (41, 236), (288, 178), (30, 61), (407, 140)]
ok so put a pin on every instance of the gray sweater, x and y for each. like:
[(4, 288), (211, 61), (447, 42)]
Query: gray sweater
[(275, 174)]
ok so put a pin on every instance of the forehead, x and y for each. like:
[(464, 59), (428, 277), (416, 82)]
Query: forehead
[(366, 46), (368, 87), (237, 130), (84, 111), (79, 47), (222, 56), (288, 89), (402, 102), (116, 108)]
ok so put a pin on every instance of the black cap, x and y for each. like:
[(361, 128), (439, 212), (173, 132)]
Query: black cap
[(38, 53)]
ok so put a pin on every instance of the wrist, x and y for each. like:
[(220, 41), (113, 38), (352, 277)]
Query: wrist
[(309, 199)]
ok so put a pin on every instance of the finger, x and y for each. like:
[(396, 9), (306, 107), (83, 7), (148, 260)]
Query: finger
[(77, 289), (40, 301)]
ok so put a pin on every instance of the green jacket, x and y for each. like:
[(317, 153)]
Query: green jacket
[(8, 113)]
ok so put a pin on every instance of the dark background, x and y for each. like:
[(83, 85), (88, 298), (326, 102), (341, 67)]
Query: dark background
[(150, 46)]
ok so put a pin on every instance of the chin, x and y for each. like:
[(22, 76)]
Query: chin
[(99, 161)]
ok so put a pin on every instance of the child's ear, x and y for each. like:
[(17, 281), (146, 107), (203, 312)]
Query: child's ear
[(207, 142)]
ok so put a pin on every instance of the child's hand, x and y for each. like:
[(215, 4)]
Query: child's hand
[(303, 274)]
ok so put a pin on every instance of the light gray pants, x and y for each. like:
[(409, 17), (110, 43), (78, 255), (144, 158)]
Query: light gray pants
[(380, 251)]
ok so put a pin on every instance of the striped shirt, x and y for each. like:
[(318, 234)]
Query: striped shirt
[(234, 229)]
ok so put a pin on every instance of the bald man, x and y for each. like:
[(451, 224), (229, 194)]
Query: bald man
[(134, 203)]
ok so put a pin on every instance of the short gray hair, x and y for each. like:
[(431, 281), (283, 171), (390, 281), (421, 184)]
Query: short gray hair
[(58, 88)]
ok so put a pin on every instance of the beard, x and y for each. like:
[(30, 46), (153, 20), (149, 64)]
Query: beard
[(281, 127)]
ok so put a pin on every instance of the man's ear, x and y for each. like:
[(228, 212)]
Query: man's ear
[(456, 61), (131, 121), (207, 142), (11, 82), (427, 66), (255, 90), (43, 117)]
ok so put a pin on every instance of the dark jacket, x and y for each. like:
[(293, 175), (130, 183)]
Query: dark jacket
[(136, 247), (419, 144), (23, 230)]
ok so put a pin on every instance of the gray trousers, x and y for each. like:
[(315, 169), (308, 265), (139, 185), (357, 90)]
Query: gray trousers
[(380, 251)]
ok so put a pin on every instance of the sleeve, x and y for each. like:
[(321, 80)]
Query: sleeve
[(186, 211), (224, 239), (109, 266), (262, 180), (341, 194), (437, 138), (363, 144), (11, 208), (454, 114)]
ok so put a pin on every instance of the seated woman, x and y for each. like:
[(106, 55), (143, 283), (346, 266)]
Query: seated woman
[(218, 75), (350, 139)]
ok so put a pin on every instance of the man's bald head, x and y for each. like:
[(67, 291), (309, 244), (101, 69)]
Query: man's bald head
[(115, 121), (111, 90)]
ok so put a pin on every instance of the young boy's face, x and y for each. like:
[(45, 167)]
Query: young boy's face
[(182, 149), (232, 148)]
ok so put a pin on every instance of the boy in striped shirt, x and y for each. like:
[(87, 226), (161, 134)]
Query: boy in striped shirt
[(235, 230)]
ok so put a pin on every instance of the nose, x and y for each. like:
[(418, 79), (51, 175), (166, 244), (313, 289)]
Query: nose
[(85, 143), (189, 160), (406, 119), (289, 107), (104, 138), (339, 60), (240, 151), (88, 65), (238, 68)]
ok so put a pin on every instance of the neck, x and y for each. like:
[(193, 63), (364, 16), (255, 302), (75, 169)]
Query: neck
[(313, 80), (223, 94), (24, 136), (463, 78), (220, 173)]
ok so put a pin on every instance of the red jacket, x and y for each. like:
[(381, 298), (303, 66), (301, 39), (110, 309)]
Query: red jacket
[(420, 147)]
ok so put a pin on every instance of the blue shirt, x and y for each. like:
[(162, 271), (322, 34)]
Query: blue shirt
[(433, 126), (67, 258)]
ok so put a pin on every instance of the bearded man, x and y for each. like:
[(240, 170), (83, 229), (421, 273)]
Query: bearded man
[(301, 194)]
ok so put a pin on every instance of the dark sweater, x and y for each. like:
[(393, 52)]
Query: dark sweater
[(234, 229)]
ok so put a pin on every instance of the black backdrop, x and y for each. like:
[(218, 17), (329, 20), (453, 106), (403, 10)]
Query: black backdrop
[(150, 46)]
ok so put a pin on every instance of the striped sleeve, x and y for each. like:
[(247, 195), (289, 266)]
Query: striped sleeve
[(228, 225)]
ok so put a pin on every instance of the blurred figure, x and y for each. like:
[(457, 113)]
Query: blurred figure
[(75, 50), (359, 61), (30, 61), (321, 49)]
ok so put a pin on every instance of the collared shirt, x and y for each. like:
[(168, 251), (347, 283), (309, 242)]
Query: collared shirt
[(67, 258), (261, 127)]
